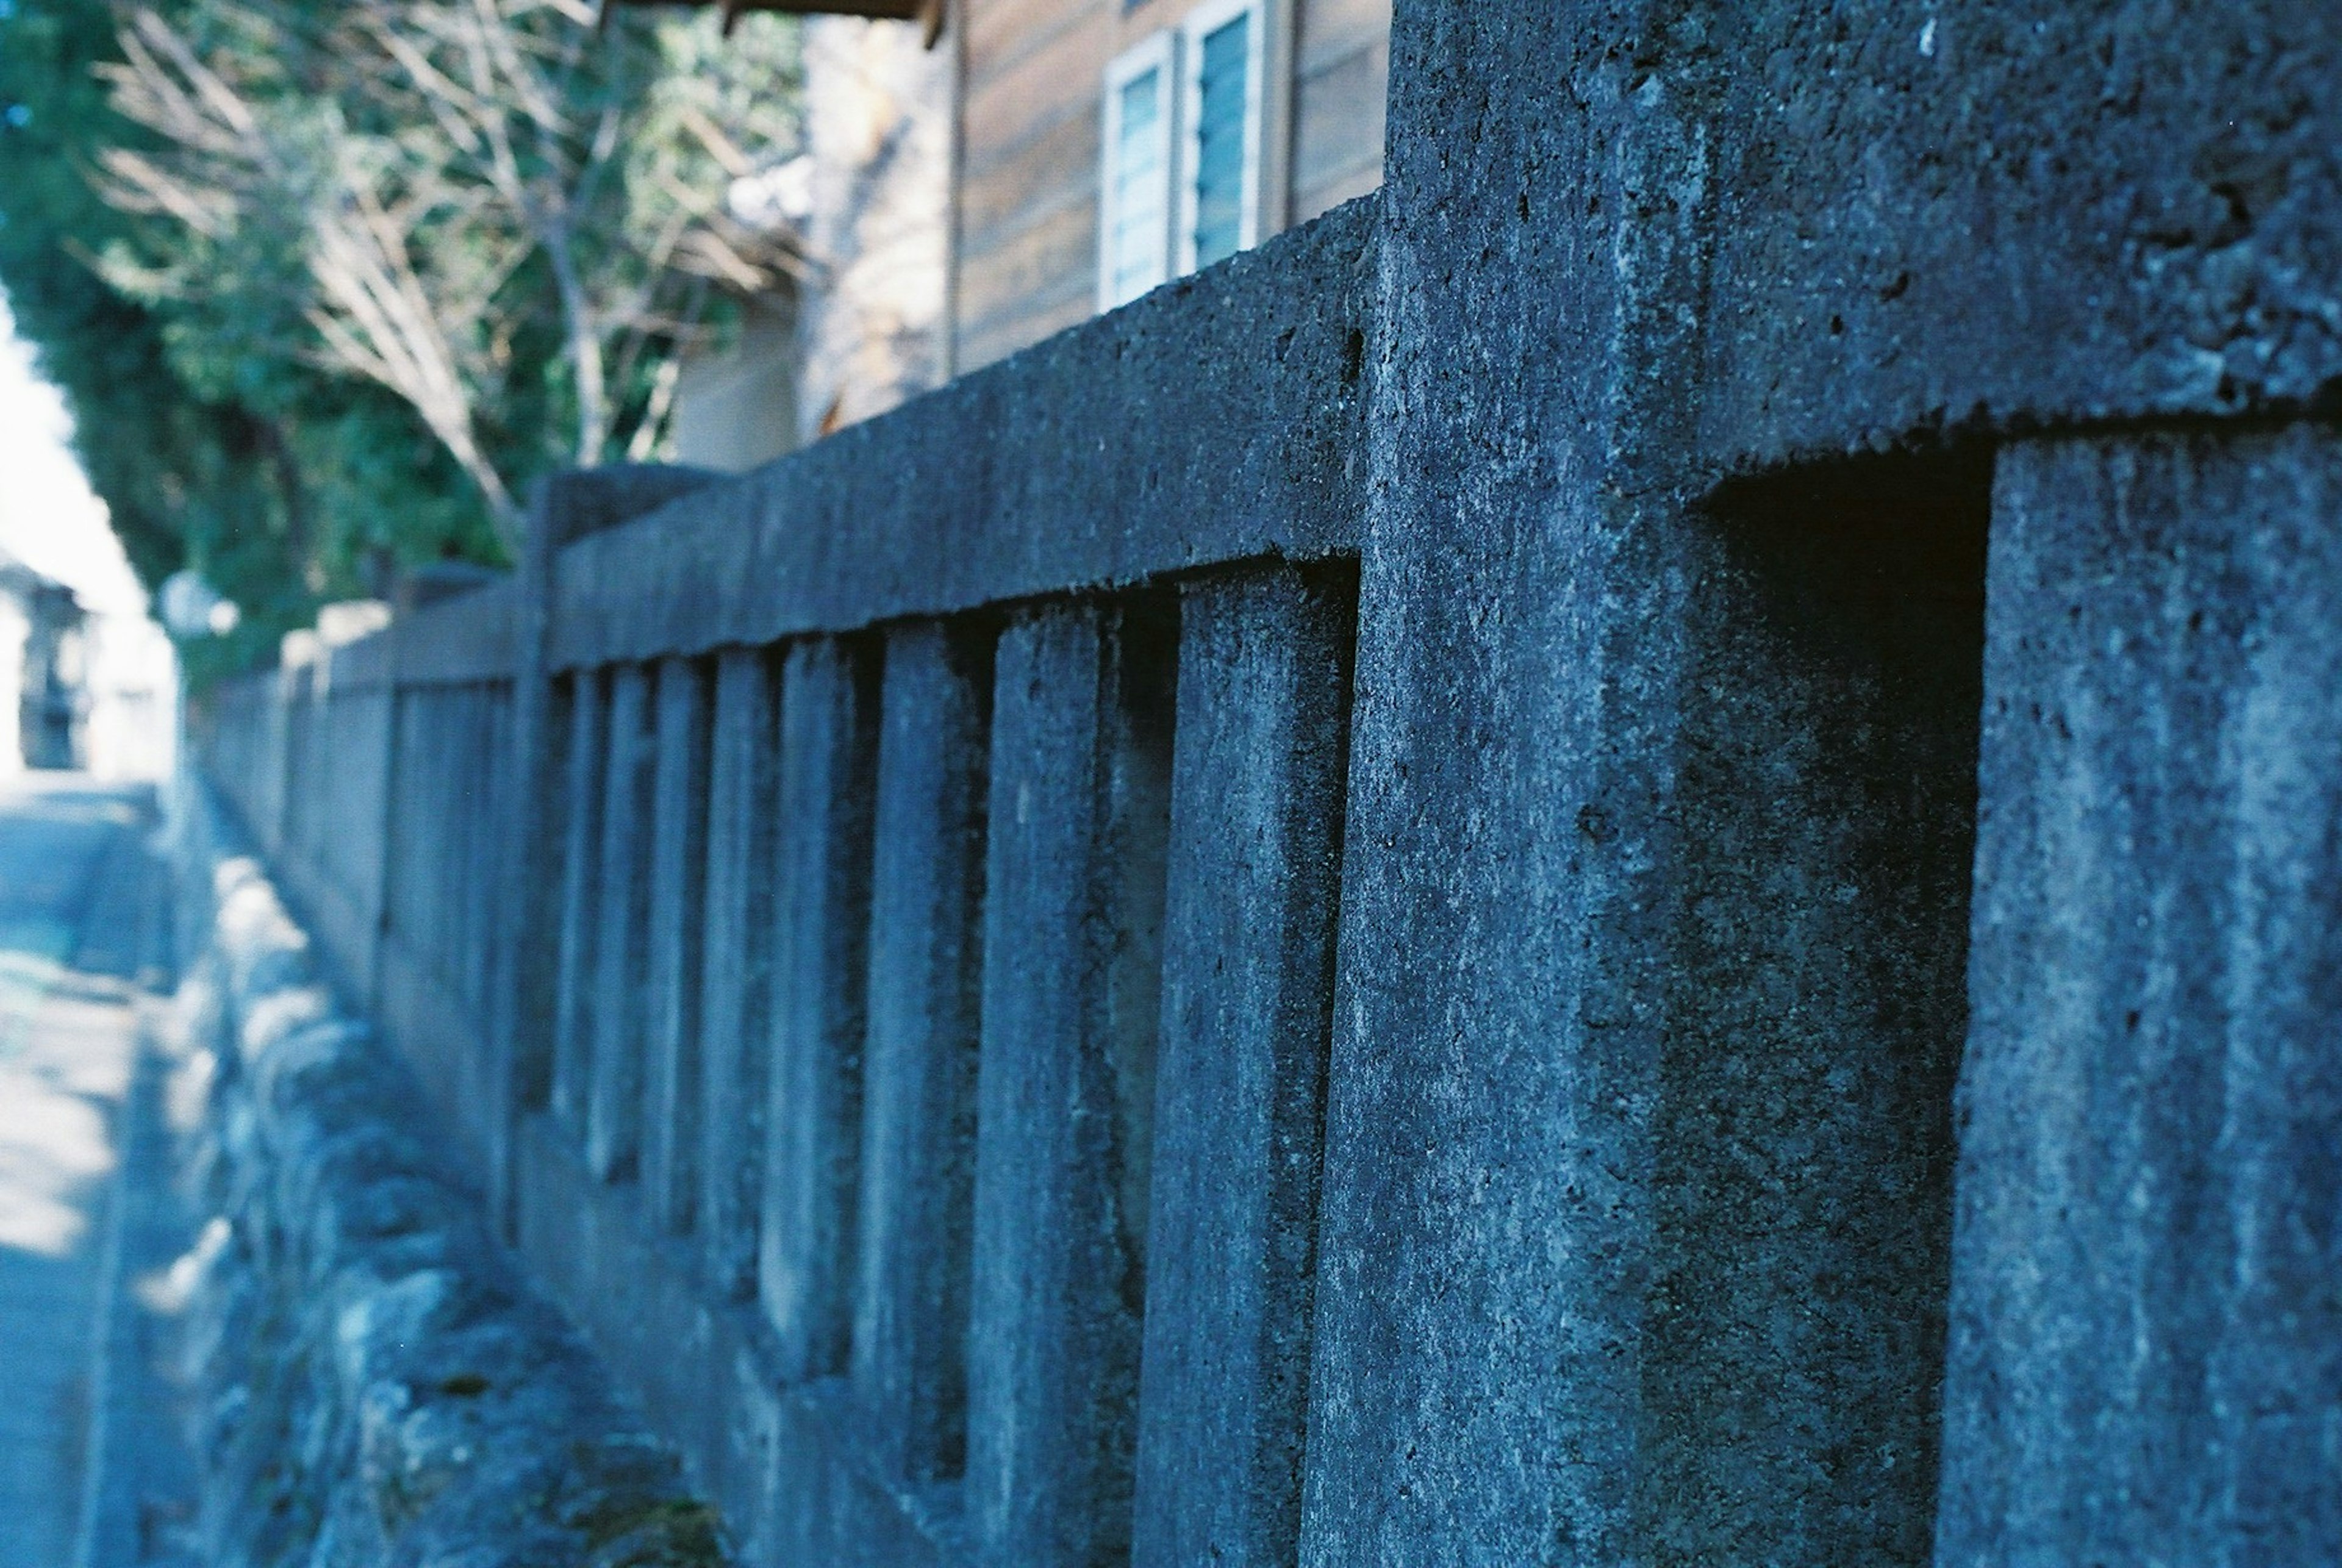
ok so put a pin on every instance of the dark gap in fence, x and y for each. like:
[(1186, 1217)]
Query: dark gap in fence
[(972, 645), (1816, 1008), (856, 850), (1136, 861)]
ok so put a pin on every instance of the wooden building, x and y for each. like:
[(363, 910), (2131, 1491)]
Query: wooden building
[(1108, 145), (41, 674), (983, 174)]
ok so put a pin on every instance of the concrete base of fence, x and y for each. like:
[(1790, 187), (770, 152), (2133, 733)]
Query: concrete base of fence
[(375, 1382)]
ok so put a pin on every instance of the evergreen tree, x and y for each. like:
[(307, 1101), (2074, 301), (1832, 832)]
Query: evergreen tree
[(207, 205)]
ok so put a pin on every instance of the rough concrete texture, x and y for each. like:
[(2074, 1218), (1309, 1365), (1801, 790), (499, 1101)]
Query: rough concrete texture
[(1217, 418), (926, 967), (585, 711), (1250, 899), (377, 1386), (677, 901), (612, 1073), (1636, 1208), (813, 1109), (1660, 395), (1994, 214), (2146, 1347), (522, 1031), (736, 967), (1073, 913)]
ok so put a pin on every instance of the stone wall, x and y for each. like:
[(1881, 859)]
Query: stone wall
[(375, 1382)]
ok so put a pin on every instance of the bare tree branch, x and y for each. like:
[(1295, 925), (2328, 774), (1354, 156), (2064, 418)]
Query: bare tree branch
[(428, 160)]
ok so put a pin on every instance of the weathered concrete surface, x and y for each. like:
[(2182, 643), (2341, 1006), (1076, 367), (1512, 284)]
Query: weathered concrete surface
[(1994, 215), (1072, 917), (1635, 1218), (90, 1473), (678, 910), (1219, 418), (926, 970), (1250, 902), (1656, 393), (2146, 1348), (821, 914), (521, 1019), (378, 1385), (610, 1079), (736, 1021)]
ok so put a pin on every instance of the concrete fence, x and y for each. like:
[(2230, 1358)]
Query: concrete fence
[(1627, 857)]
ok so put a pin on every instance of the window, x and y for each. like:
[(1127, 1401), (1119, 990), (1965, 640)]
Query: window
[(1180, 178), (1134, 226), (1219, 209)]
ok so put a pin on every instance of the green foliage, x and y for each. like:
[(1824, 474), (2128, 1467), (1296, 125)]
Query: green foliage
[(236, 404)]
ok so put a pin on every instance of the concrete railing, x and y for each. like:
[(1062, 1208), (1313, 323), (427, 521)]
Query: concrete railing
[(1780, 1014), (697, 868)]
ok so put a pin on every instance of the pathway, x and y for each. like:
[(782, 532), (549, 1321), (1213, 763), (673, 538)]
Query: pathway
[(84, 1208)]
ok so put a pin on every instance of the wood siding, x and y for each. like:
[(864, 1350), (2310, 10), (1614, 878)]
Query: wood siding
[(1026, 258)]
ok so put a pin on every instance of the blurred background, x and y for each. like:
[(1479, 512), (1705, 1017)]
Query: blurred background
[(309, 295), (88, 680)]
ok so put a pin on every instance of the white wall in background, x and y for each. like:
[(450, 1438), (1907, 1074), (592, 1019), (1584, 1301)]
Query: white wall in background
[(13, 629), (50, 520)]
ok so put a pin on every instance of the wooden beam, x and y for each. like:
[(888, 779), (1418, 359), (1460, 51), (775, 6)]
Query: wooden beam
[(888, 10)]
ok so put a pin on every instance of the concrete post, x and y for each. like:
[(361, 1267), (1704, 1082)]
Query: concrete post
[(520, 1010), (736, 1022), (1080, 747), (2144, 1322), (812, 1123), (1252, 891), (1636, 1207), (621, 964), (678, 880), (918, 1140)]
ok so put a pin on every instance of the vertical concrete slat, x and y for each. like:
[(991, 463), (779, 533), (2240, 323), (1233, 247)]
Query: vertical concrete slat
[(581, 898), (463, 831), (406, 814), (495, 940), (381, 804), (490, 809), (1248, 1016), (1060, 1271), (677, 914), (820, 989), (530, 998), (443, 832), (2143, 1363), (736, 975), (280, 755), (918, 1169), (365, 748), (621, 944)]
